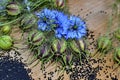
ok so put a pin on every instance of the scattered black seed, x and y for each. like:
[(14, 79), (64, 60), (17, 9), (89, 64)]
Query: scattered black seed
[(49, 78), (112, 78), (92, 77), (107, 76), (86, 14), (90, 12), (45, 76)]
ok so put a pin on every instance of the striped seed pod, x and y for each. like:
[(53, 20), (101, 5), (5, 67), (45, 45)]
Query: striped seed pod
[(68, 59), (59, 45), (117, 34), (6, 29), (6, 42), (43, 51), (117, 55), (13, 9), (28, 21), (60, 3), (78, 45), (35, 38), (104, 43)]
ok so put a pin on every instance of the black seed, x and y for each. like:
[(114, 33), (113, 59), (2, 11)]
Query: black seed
[(107, 76), (92, 77), (112, 78)]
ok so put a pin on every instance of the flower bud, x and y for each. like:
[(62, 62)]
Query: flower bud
[(6, 42), (78, 45), (13, 9), (28, 21), (35, 38), (60, 3), (6, 29), (59, 45)]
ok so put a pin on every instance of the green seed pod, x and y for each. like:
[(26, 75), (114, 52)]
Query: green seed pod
[(13, 9), (6, 29), (104, 43), (43, 51), (60, 3), (28, 21), (78, 46), (117, 51), (5, 37), (59, 45), (35, 38), (117, 55), (68, 59), (100, 42), (117, 34), (82, 44), (6, 42)]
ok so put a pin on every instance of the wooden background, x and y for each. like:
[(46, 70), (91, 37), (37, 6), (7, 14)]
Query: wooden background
[(96, 14)]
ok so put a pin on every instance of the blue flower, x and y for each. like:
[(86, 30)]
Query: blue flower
[(47, 20), (72, 28), (62, 24), (77, 28), (64, 27)]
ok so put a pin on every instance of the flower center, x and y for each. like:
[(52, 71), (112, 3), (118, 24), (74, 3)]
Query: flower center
[(75, 27), (45, 19)]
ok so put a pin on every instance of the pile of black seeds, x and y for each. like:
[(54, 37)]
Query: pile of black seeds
[(87, 71), (84, 71), (12, 69)]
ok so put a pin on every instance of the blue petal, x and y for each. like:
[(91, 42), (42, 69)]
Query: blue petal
[(59, 36), (42, 26)]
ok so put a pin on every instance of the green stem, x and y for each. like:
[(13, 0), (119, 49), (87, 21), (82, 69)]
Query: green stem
[(38, 4), (2, 11), (10, 22), (109, 25)]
